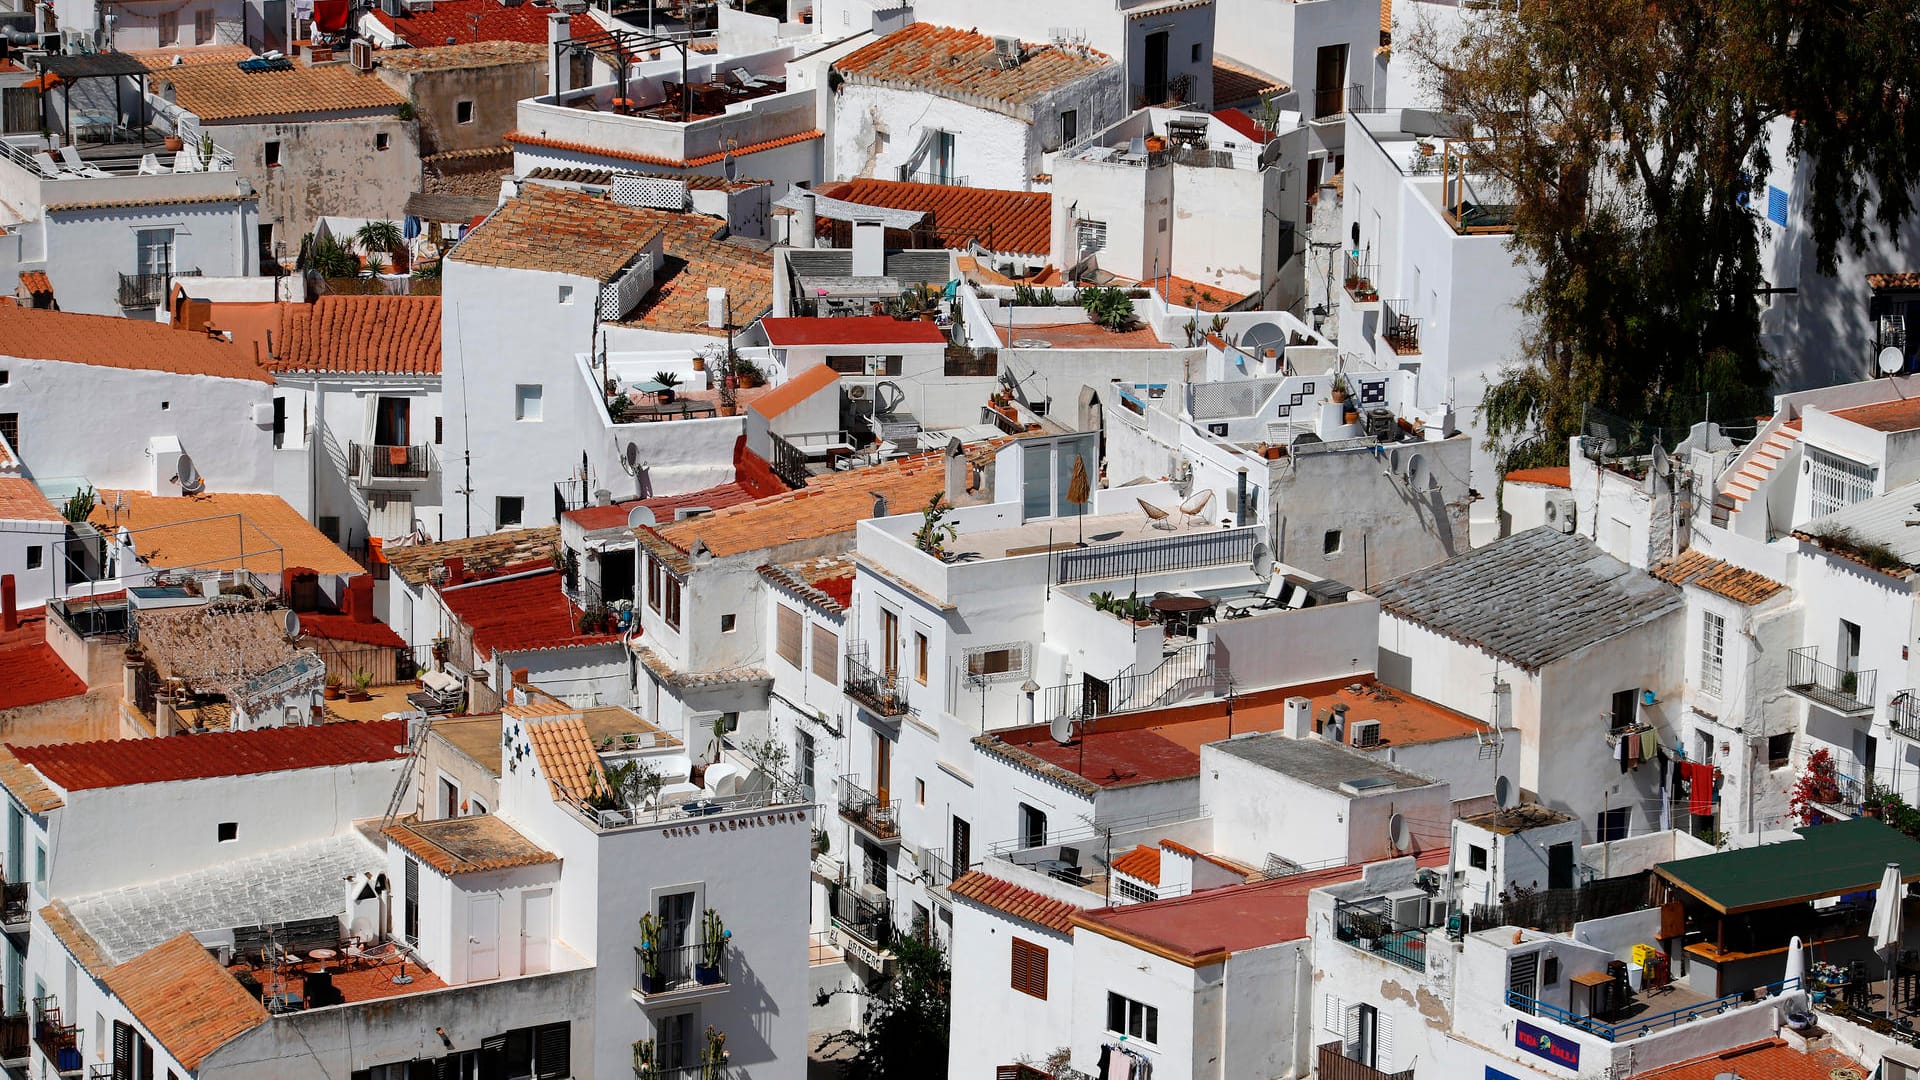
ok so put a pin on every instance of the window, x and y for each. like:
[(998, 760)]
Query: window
[(382, 141), (410, 912), (1069, 126), (566, 294), (229, 831), (876, 861), (826, 653), (1835, 482), (1030, 968), (3, 376), (330, 526), (202, 27), (166, 406), (1780, 750), (169, 27), (805, 762), (674, 1049), (439, 430), (962, 846), (508, 510), (463, 112), (35, 556), (1625, 709), (1550, 971), (1133, 892), (1033, 827), (726, 626), (1196, 52), (1614, 823), (153, 251), (998, 664), (526, 402), (942, 168), (40, 866), (920, 658), (1713, 644), (1132, 1019), (656, 583), (272, 153), (1476, 857), (730, 722), (10, 429), (1330, 543), (889, 641), (670, 606), (479, 808), (1093, 236), (787, 627), (279, 422), (919, 791), (449, 798)]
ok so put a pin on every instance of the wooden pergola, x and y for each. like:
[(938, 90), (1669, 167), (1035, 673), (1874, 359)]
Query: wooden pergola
[(72, 70)]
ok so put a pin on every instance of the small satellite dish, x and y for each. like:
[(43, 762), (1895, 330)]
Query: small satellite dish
[(1262, 561), (630, 459), (290, 623), (1503, 793), (1398, 834), (1891, 361), (191, 482), (641, 515), (1061, 729), (1418, 476)]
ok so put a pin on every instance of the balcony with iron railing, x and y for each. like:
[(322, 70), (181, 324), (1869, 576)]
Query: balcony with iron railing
[(882, 693), (1647, 1023), (1334, 1064), (705, 1071), (148, 290), (863, 921), (1358, 278), (680, 971), (379, 463), (872, 814), (58, 1040), (16, 910), (1368, 928), (1400, 329), (1836, 689), (16, 1037), (1903, 714)]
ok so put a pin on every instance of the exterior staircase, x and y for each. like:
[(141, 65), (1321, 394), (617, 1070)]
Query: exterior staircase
[(1741, 502)]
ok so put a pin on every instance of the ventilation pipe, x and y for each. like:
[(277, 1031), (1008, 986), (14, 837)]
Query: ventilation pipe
[(801, 229)]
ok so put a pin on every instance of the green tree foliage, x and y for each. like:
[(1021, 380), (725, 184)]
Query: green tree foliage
[(906, 1036)]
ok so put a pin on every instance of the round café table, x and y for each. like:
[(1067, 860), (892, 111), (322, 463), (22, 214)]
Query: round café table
[(1182, 612)]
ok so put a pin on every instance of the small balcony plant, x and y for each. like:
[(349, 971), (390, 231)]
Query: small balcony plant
[(651, 981), (643, 1058), (713, 1061), (334, 685), (668, 380), (361, 681), (713, 945)]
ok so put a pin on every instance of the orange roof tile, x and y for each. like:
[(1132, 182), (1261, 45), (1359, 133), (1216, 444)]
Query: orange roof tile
[(520, 613), (21, 500), (1010, 222), (471, 54), (960, 63), (133, 344), (1906, 279), (696, 260), (86, 951), (106, 763), (373, 335), (1234, 82), (198, 531), (35, 282), (163, 200), (566, 753), (1143, 862), (1559, 476), (1717, 576), (468, 845), (795, 390), (1195, 853), (185, 998), (160, 59), (564, 232), (736, 153), (25, 784), (1185, 292), (480, 556), (1772, 1059), (1902, 414), (855, 330), (218, 92), (1010, 899), (424, 27)]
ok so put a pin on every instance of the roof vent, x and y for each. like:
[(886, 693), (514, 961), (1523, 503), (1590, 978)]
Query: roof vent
[(1367, 785)]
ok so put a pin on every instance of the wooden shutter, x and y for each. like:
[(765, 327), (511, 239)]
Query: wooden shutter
[(787, 622), (493, 1058), (1383, 1042), (826, 653), (122, 1051), (1030, 968), (144, 1056), (553, 1049)]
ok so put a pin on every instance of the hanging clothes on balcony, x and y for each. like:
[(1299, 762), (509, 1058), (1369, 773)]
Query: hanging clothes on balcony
[(1700, 788)]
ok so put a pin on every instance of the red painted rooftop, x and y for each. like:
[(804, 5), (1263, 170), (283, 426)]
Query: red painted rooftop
[(346, 628), (463, 21), (1559, 476), (595, 518), (1771, 1059), (118, 762), (34, 673), (856, 330), (520, 614)]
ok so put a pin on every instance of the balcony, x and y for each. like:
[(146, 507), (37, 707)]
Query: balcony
[(865, 924), (1329, 102), (15, 1038), (1359, 279), (1336, 1065), (148, 290), (1646, 1024), (1903, 714), (879, 692), (1371, 930), (715, 1071), (870, 813), (1401, 330), (58, 1040), (1836, 689), (679, 972), (16, 911), (374, 464)]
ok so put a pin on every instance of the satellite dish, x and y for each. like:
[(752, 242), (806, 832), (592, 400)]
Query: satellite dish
[(1502, 793), (191, 482), (1418, 477), (1262, 561), (1891, 361), (1061, 729), (1398, 834), (641, 515), (290, 623), (1260, 337), (630, 459)]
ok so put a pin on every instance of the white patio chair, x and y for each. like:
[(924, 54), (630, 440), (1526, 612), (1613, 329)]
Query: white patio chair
[(149, 164), (70, 157), (48, 168)]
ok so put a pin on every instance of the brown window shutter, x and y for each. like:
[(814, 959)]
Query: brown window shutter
[(826, 653), (1030, 968), (789, 634)]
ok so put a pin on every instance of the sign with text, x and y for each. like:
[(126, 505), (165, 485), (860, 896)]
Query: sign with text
[(1542, 1043)]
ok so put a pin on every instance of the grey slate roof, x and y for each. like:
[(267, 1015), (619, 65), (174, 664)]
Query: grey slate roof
[(1531, 599), (1316, 761)]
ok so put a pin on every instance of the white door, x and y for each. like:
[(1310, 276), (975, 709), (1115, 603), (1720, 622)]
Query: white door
[(536, 915), (483, 937)]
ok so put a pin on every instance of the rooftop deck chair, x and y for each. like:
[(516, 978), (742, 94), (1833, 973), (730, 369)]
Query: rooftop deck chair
[(747, 78), (187, 159), (1195, 506), (70, 157), (48, 168), (1155, 514), (149, 164)]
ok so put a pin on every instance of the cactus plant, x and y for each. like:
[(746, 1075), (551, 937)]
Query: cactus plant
[(713, 944)]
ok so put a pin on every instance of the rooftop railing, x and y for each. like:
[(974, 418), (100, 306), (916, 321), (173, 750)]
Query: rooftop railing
[(1369, 929), (1157, 555), (148, 290), (666, 811), (1840, 689), (380, 461), (1647, 1024), (883, 693)]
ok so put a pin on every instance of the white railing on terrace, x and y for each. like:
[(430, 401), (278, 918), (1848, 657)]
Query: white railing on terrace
[(1224, 400), (1177, 551), (692, 809)]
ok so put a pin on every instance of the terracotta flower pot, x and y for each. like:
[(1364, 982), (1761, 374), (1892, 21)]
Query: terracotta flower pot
[(332, 693), (174, 143)]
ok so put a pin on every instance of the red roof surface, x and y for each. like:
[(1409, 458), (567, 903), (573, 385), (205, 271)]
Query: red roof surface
[(531, 139), (1010, 899), (1238, 120), (345, 628), (1553, 476), (464, 21), (1900, 415), (1142, 862), (1012, 222), (958, 63), (35, 282), (118, 762), (522, 613), (111, 342), (595, 518), (374, 335), (34, 672), (795, 390), (1772, 1059), (858, 330)]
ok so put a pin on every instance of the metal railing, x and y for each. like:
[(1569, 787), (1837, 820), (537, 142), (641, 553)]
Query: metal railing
[(871, 814), (1334, 1064), (1835, 688), (1369, 929), (1329, 101), (677, 968), (663, 811), (379, 461), (148, 290), (935, 176), (58, 1040), (934, 867), (870, 922), (1401, 330), (1358, 277), (880, 692), (789, 462), (1157, 555), (1642, 1025), (1189, 669), (1903, 714), (16, 1035), (17, 907), (705, 1071)]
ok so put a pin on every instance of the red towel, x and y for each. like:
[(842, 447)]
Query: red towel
[(1700, 788), (397, 456)]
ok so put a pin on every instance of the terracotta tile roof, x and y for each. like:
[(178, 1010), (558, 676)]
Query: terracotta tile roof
[(857, 330), (825, 582), (346, 628), (566, 755), (544, 707), (427, 27), (1235, 83), (796, 389), (35, 283), (35, 674), (132, 344), (108, 763), (1197, 294), (1903, 280), (595, 518), (121, 204), (1559, 476), (1194, 853), (738, 152), (960, 64), (21, 500), (472, 54), (1010, 899), (468, 845), (161, 59), (185, 998), (604, 177), (1010, 222), (1901, 414), (1242, 123), (828, 505), (198, 531), (481, 556), (696, 261), (25, 785), (563, 232), (372, 335), (223, 92), (1718, 576), (1143, 862), (521, 614), (87, 952), (1772, 1059)]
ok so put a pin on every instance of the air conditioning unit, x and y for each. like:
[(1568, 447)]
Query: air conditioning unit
[(1366, 733), (262, 413), (361, 55), (1409, 907), (871, 893), (1560, 513)]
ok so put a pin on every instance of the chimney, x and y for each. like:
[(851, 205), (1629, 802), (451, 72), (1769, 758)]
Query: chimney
[(559, 29), (800, 234), (1298, 717), (957, 471), (1270, 362), (716, 307), (602, 497), (456, 569), (879, 504), (9, 614), (360, 598), (869, 249)]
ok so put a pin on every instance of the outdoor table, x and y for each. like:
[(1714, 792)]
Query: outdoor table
[(1181, 611)]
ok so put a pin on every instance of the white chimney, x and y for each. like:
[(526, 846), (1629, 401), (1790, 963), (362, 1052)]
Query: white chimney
[(869, 249), (1298, 722), (801, 232), (1270, 362), (163, 454), (717, 307), (559, 29)]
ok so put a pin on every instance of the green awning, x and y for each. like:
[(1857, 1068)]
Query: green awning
[(1829, 860)]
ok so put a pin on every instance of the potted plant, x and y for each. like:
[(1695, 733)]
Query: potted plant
[(643, 1059), (174, 143), (440, 645), (713, 945), (699, 362), (361, 680), (334, 684), (667, 380), (383, 238), (713, 1062), (935, 531), (1339, 389), (651, 981)]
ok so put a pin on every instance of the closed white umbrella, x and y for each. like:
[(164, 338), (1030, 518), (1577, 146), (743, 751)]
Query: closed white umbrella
[(1796, 964), (1886, 923)]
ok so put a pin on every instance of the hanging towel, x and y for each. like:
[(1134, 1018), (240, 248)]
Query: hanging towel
[(1106, 1057), (1700, 789), (1632, 739), (1649, 744)]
